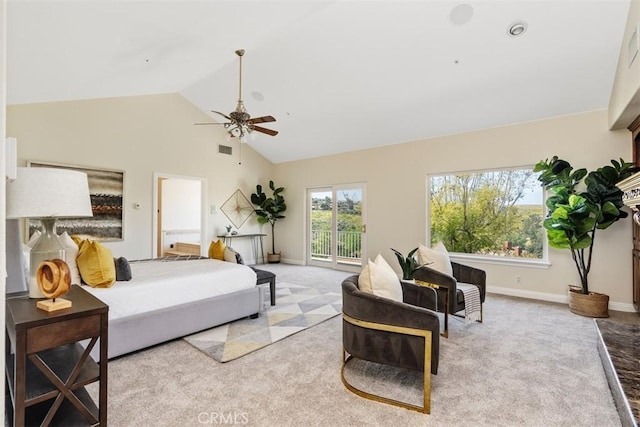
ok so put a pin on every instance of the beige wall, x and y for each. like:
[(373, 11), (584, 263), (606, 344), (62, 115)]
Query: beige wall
[(147, 134), (140, 135), (624, 104), (395, 177)]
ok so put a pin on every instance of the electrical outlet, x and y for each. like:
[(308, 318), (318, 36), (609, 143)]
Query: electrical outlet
[(518, 280)]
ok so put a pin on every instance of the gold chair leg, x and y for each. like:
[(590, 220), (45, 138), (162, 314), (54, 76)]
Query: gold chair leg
[(425, 409), (425, 334), (445, 333)]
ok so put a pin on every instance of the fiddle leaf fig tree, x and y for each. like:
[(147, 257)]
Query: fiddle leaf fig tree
[(574, 216), (270, 209)]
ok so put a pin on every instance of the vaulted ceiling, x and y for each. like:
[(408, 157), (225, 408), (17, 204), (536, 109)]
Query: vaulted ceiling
[(337, 75)]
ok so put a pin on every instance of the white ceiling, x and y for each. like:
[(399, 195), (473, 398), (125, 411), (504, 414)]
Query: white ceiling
[(337, 75)]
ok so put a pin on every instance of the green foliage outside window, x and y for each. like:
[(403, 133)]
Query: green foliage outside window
[(349, 225), (485, 213)]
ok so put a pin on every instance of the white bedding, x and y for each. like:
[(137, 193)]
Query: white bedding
[(159, 284)]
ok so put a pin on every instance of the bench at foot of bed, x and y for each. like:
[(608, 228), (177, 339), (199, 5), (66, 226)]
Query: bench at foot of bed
[(267, 277)]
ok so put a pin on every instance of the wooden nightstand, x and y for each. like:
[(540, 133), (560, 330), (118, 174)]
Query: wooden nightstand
[(47, 368)]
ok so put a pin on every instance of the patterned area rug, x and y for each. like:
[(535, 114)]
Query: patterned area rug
[(297, 308)]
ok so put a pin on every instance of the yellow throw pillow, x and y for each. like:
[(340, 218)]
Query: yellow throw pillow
[(216, 250), (96, 265)]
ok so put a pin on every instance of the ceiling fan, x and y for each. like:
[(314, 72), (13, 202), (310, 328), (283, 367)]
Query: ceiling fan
[(240, 124)]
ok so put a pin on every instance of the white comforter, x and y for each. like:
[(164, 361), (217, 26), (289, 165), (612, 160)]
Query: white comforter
[(159, 284)]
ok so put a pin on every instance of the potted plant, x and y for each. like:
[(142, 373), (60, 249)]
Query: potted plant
[(270, 210), (408, 263), (574, 217)]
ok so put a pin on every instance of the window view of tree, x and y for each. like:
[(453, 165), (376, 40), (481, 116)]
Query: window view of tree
[(494, 213), (349, 224)]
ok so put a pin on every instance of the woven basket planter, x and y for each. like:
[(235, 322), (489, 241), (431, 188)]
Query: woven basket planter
[(273, 258), (590, 305)]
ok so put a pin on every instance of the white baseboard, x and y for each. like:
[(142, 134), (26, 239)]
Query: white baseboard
[(286, 261), (292, 261), (622, 306), (543, 296), (521, 293)]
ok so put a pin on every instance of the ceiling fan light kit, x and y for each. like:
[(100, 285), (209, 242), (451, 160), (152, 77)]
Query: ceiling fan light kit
[(240, 124)]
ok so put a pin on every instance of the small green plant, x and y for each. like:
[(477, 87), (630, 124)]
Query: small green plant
[(408, 263)]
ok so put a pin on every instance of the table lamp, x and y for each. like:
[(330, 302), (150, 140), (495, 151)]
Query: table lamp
[(47, 194)]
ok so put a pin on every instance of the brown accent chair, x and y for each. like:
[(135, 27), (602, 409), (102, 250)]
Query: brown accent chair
[(447, 287), (402, 334)]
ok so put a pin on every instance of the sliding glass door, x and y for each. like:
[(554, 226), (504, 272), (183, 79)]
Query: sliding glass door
[(336, 227)]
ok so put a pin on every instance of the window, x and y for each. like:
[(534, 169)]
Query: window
[(494, 213), (336, 218)]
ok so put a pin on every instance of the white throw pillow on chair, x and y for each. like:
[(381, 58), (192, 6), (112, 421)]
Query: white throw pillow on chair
[(435, 257), (378, 278)]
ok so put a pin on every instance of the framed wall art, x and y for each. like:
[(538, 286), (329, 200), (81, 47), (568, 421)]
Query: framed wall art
[(106, 188), (237, 208)]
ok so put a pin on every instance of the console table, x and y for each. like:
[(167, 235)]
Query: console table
[(256, 243), (47, 368)]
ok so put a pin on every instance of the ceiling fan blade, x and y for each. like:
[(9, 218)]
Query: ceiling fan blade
[(264, 130), (223, 115), (263, 119), (211, 123)]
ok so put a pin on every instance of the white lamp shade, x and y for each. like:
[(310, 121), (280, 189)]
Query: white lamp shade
[(48, 192)]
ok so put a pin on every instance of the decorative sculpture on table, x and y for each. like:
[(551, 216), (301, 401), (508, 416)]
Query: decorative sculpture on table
[(54, 280)]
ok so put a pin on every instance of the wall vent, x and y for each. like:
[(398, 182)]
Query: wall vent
[(225, 149)]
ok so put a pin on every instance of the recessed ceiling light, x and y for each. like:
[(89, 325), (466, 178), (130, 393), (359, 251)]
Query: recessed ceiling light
[(517, 28), (461, 14)]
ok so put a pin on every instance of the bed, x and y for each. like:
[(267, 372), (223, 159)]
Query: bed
[(172, 297)]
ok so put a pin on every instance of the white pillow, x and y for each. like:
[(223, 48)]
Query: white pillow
[(230, 255), (378, 278), (435, 257), (70, 256)]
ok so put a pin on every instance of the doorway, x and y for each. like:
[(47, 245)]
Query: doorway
[(336, 232), (179, 215)]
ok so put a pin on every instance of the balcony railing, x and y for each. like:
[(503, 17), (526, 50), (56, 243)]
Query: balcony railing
[(349, 246)]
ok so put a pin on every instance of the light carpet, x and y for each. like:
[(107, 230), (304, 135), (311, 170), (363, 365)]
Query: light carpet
[(297, 308), (530, 363)]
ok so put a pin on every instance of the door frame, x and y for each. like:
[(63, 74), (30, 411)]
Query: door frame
[(333, 189), (157, 199)]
